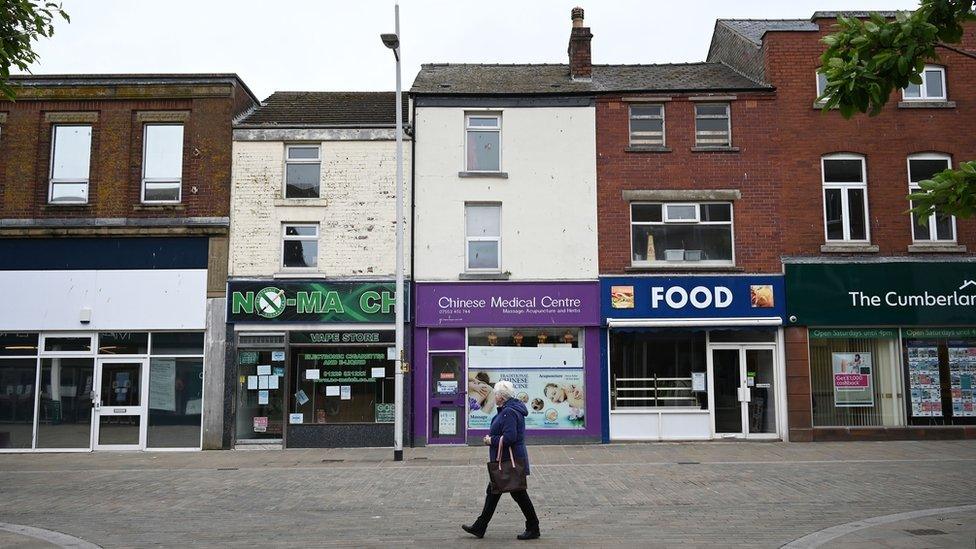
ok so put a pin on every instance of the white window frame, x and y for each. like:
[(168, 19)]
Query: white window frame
[(665, 221), (316, 160), (179, 182), (845, 206), (923, 88), (728, 124), (820, 89), (631, 117), (286, 237), (52, 181), (468, 238), (469, 128), (913, 187)]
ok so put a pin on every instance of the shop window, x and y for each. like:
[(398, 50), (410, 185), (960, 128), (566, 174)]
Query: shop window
[(483, 240), (821, 83), (483, 137), (65, 407), (937, 227), (17, 387), (300, 246), (342, 385), (177, 343), (162, 163), (70, 163), (853, 380), (18, 344), (647, 125), (260, 391), (932, 87), (658, 370), (303, 171), (667, 233), (940, 366), (175, 402), (67, 344), (845, 198), (544, 364), (713, 127), (123, 343)]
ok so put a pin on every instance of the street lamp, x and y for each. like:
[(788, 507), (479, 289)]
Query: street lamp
[(392, 41)]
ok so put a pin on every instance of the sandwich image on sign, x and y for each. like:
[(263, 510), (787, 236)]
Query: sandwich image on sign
[(622, 297), (761, 295)]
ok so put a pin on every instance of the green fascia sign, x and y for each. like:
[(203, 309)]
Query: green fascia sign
[(853, 333), (310, 301), (939, 333), (885, 294)]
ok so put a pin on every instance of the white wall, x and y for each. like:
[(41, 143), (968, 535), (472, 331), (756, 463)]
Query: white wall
[(548, 201), (356, 211), (164, 299)]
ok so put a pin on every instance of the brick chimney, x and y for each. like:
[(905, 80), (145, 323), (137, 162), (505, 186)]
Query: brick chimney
[(580, 65)]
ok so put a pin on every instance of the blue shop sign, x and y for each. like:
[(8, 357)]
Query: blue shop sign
[(744, 296)]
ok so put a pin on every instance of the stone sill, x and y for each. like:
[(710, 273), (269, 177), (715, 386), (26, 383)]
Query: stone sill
[(936, 249), (301, 202), (638, 149), (926, 104), (819, 105), (484, 276), (488, 175), (849, 248), (715, 149), (300, 274), (678, 267), (66, 205), (158, 207)]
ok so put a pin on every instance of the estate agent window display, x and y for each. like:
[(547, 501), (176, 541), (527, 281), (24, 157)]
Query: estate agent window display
[(940, 376)]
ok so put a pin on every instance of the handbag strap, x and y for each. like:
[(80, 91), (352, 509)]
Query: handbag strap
[(498, 458)]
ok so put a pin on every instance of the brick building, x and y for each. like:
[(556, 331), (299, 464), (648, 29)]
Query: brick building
[(880, 341), (114, 204)]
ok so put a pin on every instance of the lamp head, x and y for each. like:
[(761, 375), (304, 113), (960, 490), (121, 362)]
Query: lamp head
[(391, 41)]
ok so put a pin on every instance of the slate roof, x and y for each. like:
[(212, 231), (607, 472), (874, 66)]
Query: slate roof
[(327, 109), (482, 79), (834, 14), (754, 29)]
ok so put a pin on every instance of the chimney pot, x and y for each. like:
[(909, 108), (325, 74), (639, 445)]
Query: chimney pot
[(577, 16)]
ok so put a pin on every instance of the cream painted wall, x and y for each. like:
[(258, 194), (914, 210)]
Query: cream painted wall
[(355, 214), (548, 201)]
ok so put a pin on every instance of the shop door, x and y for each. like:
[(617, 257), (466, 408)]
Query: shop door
[(448, 399), (742, 395), (119, 413)]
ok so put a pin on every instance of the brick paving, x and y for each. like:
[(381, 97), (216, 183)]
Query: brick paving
[(692, 494)]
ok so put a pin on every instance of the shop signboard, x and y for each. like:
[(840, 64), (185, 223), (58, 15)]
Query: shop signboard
[(555, 398), (310, 301), (907, 293), (508, 304), (691, 297)]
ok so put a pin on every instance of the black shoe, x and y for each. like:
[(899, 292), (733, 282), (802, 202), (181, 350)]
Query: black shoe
[(530, 533), (475, 531)]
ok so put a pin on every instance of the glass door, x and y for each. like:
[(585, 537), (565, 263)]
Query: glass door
[(726, 376), (743, 392), (761, 387), (119, 419), (448, 399)]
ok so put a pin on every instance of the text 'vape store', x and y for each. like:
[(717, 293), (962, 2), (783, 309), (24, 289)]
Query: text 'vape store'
[(313, 363), (693, 357), (883, 349), (543, 337)]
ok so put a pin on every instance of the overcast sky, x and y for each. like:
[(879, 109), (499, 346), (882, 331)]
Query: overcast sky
[(334, 45)]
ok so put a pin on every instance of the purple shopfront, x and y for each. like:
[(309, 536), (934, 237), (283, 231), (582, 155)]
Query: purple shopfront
[(543, 337)]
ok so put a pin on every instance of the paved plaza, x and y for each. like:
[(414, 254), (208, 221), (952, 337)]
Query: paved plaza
[(853, 494)]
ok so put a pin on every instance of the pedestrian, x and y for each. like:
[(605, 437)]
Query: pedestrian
[(507, 427)]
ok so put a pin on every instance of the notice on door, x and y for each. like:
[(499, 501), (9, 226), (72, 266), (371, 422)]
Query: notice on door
[(447, 423), (162, 384)]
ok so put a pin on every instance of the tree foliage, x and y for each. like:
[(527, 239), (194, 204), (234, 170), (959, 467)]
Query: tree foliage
[(23, 22), (868, 59)]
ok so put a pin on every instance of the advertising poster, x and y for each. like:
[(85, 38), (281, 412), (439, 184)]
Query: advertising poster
[(923, 379), (162, 384), (962, 377), (555, 398), (852, 380)]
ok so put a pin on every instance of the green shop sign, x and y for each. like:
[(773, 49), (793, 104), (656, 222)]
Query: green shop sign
[(853, 333), (310, 301), (872, 294)]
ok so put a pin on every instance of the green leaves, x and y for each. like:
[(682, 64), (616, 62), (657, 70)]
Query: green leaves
[(950, 192), (23, 22)]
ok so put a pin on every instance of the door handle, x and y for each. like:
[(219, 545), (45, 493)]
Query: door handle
[(97, 402)]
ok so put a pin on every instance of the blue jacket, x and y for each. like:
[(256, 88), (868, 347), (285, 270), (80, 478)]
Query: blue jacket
[(509, 425)]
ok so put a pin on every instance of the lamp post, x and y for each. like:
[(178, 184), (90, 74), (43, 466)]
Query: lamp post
[(392, 41)]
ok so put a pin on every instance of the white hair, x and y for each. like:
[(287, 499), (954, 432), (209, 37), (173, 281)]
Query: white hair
[(505, 388)]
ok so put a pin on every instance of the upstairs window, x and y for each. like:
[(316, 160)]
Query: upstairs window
[(672, 232), (845, 198), (647, 125), (162, 163), (483, 138), (70, 163), (932, 87), (821, 83), (938, 227), (712, 125), (483, 237), (300, 246), (303, 171)]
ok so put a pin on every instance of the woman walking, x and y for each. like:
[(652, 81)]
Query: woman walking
[(507, 429)]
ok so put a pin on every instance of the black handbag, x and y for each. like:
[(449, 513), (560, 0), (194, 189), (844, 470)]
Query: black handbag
[(506, 476)]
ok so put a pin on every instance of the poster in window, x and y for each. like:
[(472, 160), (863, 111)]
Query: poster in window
[(162, 384), (962, 377), (555, 399), (852, 380), (924, 380)]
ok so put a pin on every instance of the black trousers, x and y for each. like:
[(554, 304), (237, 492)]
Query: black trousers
[(521, 498)]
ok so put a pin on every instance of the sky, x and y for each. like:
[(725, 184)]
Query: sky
[(308, 45)]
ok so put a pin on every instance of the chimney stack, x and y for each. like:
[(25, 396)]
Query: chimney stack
[(580, 65)]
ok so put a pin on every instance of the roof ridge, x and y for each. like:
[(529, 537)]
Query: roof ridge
[(331, 91)]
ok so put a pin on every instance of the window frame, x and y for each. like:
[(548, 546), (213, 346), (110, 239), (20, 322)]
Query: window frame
[(496, 239), (497, 115), (286, 237), (817, 75), (316, 160), (630, 126), (145, 141), (665, 222), (845, 187), (52, 181), (728, 123), (923, 87), (913, 187)]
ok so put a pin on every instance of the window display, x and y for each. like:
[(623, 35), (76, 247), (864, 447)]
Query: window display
[(342, 385), (962, 375), (941, 374), (923, 378), (658, 369), (260, 410)]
